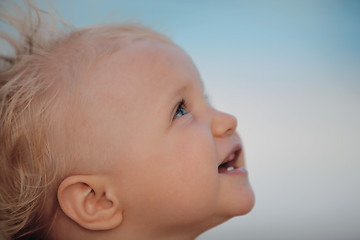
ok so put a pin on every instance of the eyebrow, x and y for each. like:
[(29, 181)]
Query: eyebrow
[(178, 90), (183, 88)]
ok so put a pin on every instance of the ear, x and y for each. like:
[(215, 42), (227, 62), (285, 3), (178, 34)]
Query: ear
[(89, 201)]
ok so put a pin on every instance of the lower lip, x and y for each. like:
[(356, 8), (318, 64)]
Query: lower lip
[(236, 171)]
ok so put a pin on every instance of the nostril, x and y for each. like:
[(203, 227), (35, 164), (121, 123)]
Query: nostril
[(230, 131)]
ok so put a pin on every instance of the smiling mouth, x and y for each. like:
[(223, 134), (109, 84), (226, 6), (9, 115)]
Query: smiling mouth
[(230, 163)]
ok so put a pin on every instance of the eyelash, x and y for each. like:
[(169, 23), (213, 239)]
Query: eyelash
[(180, 110)]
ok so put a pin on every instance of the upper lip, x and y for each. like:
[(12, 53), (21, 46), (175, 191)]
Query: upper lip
[(234, 151)]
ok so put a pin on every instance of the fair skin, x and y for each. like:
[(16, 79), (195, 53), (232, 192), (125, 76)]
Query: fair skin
[(150, 146)]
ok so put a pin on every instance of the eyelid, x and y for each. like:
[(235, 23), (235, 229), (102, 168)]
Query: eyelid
[(175, 109)]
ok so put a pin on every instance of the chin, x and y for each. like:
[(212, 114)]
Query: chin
[(240, 205), (247, 204)]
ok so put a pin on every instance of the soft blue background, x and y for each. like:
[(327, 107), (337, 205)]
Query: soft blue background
[(290, 72)]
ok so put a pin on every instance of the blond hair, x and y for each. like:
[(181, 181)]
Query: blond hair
[(43, 65)]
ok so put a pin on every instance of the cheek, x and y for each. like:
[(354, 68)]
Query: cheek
[(175, 176), (187, 170), (190, 192), (195, 172)]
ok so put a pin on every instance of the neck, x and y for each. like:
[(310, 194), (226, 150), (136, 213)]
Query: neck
[(65, 228)]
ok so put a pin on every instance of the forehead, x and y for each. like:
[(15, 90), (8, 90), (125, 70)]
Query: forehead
[(151, 59), (145, 67)]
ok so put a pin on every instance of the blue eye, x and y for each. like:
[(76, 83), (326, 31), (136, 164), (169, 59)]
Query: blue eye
[(180, 111)]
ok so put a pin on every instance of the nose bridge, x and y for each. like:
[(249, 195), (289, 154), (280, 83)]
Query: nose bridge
[(223, 124)]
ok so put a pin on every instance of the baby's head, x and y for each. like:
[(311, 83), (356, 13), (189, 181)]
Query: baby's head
[(106, 132)]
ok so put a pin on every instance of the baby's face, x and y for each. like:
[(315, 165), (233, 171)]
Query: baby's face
[(148, 126)]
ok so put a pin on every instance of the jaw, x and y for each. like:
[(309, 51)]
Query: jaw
[(186, 231)]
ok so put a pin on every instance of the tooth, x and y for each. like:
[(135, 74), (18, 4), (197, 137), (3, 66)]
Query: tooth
[(230, 169)]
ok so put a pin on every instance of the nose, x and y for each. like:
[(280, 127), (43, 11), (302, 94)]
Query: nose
[(223, 124)]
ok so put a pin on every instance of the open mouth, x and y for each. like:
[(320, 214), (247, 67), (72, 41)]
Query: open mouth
[(230, 163)]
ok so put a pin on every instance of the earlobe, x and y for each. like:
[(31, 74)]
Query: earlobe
[(89, 201)]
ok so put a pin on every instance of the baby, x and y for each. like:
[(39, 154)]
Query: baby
[(106, 133)]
